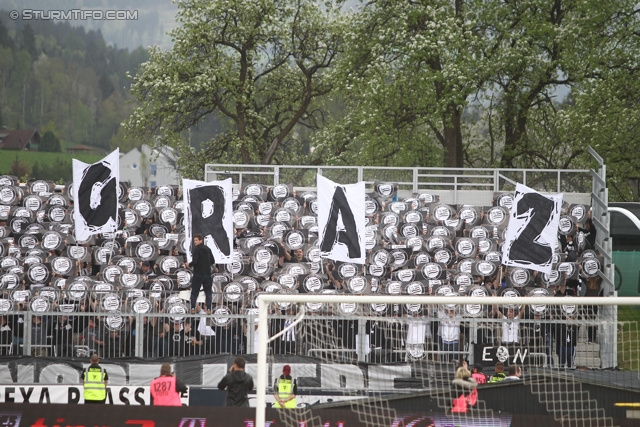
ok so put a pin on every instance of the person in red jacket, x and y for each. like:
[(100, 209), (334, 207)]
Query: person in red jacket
[(165, 390)]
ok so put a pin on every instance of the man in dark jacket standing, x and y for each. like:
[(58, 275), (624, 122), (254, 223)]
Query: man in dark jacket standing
[(202, 260), (238, 383)]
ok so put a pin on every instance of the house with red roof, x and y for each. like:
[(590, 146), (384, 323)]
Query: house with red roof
[(23, 139)]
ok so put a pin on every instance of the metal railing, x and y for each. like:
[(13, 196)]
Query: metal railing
[(336, 338), (415, 180)]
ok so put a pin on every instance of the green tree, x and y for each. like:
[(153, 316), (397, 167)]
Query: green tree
[(259, 65), (50, 143), (405, 78), (29, 41), (536, 51)]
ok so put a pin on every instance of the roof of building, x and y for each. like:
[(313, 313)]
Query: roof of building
[(16, 139)]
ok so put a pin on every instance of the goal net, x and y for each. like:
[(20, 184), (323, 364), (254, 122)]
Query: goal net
[(446, 360)]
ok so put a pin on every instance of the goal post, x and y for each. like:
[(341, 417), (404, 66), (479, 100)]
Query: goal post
[(606, 323)]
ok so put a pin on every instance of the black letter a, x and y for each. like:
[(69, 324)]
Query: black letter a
[(348, 236)]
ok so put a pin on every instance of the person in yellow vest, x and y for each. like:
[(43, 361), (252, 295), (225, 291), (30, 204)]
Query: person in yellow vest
[(165, 390), (285, 390), (95, 380)]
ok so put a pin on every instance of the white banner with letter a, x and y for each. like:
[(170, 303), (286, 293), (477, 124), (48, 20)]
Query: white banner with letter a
[(341, 220)]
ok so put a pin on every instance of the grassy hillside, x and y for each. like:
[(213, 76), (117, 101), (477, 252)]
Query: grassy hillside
[(50, 166)]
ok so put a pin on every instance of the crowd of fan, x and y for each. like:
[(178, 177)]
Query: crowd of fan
[(415, 245)]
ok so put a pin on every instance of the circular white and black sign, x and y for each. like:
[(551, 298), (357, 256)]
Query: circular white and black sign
[(389, 218), (552, 278), (41, 186), (130, 280), (27, 241), (484, 246), (538, 308), (347, 270), (233, 292), (486, 268), (294, 239), (505, 200), (56, 214), (111, 273), (313, 283), (184, 277), (8, 195), (141, 305), (292, 204), (414, 288), (348, 308), (164, 190), (102, 255), (21, 295), (280, 192), (110, 302), (469, 215), (357, 285), (77, 290), (376, 270), (161, 202), (255, 190), (409, 230), (465, 247), (590, 267), (32, 202), (567, 267), (380, 257), (62, 265), (145, 250), (406, 275), (127, 264), (288, 281), (39, 304), (463, 280), (131, 218), (479, 232), (398, 208), (565, 225), (9, 281), (114, 322), (38, 273), (167, 264), (519, 277), (442, 212), (52, 240), (144, 208), (370, 206), (386, 190), (578, 213), (433, 243), (413, 217), (79, 253), (241, 219), (443, 256), (136, 194), (432, 270), (393, 287), (221, 315)]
